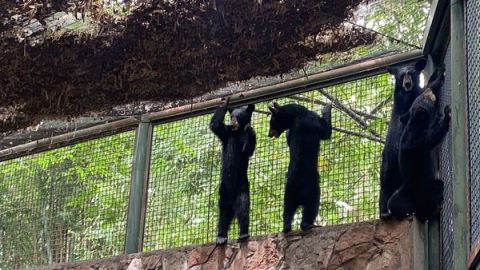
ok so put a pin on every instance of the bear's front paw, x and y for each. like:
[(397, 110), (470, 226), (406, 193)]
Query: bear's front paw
[(447, 113), (447, 110), (226, 101)]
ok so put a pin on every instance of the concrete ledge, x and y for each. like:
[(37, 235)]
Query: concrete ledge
[(367, 245)]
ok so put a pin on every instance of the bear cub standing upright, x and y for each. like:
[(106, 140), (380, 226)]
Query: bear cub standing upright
[(421, 193), (407, 88), (238, 144), (305, 130)]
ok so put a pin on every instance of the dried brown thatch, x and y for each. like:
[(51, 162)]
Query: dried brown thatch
[(164, 51)]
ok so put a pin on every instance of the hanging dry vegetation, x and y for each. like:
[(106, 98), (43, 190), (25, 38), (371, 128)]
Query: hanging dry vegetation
[(158, 50)]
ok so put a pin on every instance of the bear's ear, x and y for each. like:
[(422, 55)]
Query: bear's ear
[(421, 64), (250, 108), (392, 70), (273, 110)]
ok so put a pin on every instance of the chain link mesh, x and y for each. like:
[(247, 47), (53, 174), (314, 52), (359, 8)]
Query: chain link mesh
[(71, 202), (66, 204), (473, 83), (186, 161), (445, 167)]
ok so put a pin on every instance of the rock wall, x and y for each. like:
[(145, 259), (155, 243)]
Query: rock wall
[(366, 245)]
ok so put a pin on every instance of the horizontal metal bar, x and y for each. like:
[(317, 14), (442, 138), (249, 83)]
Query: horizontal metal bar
[(312, 82), (315, 81), (68, 138)]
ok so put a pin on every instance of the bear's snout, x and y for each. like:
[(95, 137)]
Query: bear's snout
[(235, 124), (407, 83)]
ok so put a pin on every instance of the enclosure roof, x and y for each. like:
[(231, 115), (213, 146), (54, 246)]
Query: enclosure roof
[(67, 58)]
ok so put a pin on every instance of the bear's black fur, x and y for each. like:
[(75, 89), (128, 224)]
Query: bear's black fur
[(407, 88), (238, 144), (305, 130), (420, 192)]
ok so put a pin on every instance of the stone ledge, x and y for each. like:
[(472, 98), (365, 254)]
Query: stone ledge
[(367, 245)]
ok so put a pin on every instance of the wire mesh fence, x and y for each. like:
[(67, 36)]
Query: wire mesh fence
[(66, 204), (186, 160), (473, 83), (71, 203), (445, 170)]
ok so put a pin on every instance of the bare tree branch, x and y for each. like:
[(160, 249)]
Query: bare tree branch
[(361, 135), (337, 103), (381, 105), (319, 102), (346, 131)]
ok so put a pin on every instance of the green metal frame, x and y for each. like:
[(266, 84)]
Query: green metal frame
[(459, 129), (138, 189), (432, 228), (446, 26)]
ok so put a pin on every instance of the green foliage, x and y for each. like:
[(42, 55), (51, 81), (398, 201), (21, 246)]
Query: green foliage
[(404, 20), (401, 23), (65, 204)]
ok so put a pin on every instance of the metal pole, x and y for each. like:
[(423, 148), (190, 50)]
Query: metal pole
[(138, 188), (459, 129), (432, 228), (68, 138)]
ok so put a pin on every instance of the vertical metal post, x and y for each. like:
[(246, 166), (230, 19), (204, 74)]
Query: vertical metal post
[(419, 247), (432, 228), (138, 188), (433, 244), (459, 129)]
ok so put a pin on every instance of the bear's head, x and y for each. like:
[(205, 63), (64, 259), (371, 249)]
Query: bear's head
[(241, 117), (281, 118), (422, 111), (407, 78)]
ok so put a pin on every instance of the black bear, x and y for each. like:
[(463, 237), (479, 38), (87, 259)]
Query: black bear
[(407, 88), (238, 144), (305, 130), (420, 192)]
